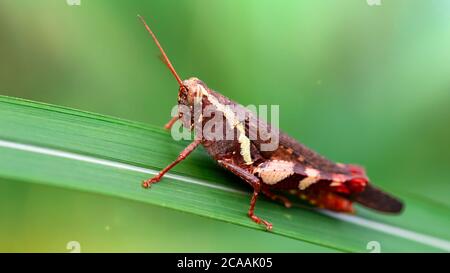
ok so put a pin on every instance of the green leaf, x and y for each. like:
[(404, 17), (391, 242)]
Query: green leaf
[(51, 145)]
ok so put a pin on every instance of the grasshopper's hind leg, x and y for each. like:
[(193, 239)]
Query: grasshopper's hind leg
[(255, 183)]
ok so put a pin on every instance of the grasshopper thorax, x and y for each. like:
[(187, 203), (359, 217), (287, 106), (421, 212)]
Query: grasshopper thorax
[(190, 96)]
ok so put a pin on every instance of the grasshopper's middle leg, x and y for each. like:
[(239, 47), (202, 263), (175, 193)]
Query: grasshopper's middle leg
[(255, 183), (191, 147)]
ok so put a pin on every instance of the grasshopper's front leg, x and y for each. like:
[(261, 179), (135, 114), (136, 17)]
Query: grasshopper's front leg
[(171, 122), (255, 183), (191, 147)]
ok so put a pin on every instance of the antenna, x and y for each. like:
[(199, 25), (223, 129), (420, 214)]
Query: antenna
[(166, 59)]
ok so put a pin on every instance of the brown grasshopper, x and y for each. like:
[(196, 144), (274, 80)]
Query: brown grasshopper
[(290, 167)]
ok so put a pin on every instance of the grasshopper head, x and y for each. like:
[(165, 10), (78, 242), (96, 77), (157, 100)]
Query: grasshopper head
[(191, 90), (189, 100)]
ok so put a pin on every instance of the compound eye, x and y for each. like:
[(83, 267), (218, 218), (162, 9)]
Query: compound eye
[(182, 98), (184, 89)]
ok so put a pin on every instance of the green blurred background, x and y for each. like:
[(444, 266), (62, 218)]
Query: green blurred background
[(358, 83)]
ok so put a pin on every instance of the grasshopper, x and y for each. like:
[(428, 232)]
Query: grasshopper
[(290, 167)]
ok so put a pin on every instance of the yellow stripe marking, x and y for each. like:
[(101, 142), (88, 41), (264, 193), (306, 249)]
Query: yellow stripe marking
[(235, 123), (274, 171), (311, 178)]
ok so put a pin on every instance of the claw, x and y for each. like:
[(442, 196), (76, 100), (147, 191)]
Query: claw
[(148, 183), (145, 185), (258, 220), (268, 225)]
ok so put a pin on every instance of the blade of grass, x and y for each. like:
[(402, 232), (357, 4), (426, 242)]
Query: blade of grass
[(74, 149)]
